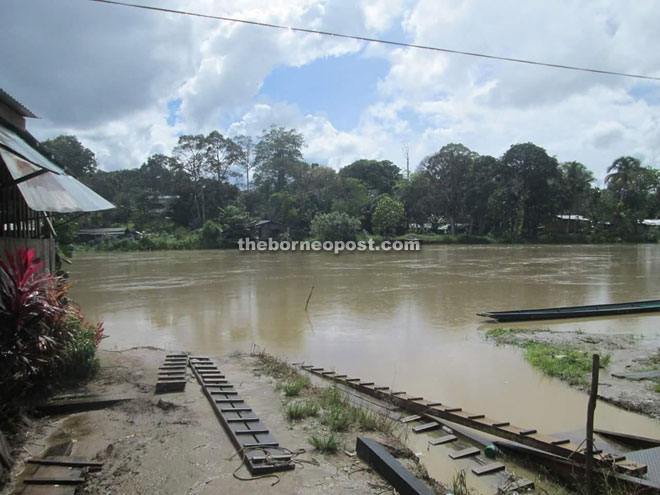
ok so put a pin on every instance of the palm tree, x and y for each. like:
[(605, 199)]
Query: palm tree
[(621, 175)]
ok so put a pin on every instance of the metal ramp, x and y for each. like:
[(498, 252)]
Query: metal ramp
[(259, 450)]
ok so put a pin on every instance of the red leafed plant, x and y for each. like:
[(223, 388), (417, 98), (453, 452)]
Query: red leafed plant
[(33, 312)]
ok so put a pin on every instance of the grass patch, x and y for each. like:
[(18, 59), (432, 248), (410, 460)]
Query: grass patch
[(338, 418), (369, 421), (656, 387), (326, 444), (293, 388), (459, 484), (301, 409), (567, 362)]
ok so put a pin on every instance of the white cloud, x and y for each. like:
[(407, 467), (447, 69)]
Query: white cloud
[(107, 73)]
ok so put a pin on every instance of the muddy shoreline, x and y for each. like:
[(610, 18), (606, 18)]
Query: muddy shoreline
[(172, 443), (627, 353)]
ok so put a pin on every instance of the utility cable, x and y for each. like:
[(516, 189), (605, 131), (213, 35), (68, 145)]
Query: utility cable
[(376, 40)]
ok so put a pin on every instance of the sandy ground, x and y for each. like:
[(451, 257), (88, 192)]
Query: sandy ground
[(628, 353), (172, 443)]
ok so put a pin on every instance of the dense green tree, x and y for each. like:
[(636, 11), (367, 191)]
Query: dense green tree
[(388, 215), (335, 226), (278, 158), (246, 156), (450, 170), (420, 200), (350, 196), (69, 152), (379, 177), (537, 180)]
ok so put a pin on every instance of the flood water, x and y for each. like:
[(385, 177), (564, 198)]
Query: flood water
[(405, 320)]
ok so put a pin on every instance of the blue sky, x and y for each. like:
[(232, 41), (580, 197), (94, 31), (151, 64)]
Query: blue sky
[(338, 88)]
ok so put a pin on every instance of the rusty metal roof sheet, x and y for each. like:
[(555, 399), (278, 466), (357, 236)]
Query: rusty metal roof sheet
[(18, 146), (51, 191)]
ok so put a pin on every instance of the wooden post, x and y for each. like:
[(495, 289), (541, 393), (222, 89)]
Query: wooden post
[(591, 408)]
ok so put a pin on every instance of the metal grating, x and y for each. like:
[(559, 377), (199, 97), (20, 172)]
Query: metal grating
[(650, 457), (259, 450)]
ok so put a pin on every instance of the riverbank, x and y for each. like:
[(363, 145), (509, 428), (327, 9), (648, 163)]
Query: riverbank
[(173, 443), (197, 240), (567, 356)]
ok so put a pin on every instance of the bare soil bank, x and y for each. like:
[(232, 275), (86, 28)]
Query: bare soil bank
[(173, 443), (628, 354)]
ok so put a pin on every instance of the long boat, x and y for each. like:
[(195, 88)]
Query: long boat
[(574, 311)]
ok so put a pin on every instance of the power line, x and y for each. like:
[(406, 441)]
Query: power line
[(376, 40)]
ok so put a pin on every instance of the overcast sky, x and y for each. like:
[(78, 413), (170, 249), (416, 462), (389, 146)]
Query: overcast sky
[(127, 82)]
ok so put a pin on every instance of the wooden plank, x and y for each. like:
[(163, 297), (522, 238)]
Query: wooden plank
[(632, 440), (461, 454), (426, 427), (493, 467), (92, 403), (443, 440), (410, 419), (402, 480), (63, 460), (55, 475)]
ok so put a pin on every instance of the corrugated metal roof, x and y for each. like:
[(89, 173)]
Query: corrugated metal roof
[(18, 145), (54, 191), (15, 105)]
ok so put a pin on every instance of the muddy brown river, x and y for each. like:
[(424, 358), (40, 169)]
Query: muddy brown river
[(405, 320)]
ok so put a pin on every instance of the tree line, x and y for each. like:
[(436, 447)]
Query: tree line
[(221, 186)]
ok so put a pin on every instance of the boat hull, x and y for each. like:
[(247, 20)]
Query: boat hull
[(574, 311)]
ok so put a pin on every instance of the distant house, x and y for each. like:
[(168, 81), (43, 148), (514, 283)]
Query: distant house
[(567, 223), (34, 186), (163, 203), (459, 228), (96, 235), (267, 229)]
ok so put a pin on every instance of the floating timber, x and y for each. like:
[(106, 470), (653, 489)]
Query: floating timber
[(461, 454), (490, 468), (574, 311), (571, 471), (172, 374), (436, 411), (259, 450), (633, 441), (443, 440), (403, 481)]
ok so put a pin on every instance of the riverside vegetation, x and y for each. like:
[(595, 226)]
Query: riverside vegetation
[(45, 340), (211, 189)]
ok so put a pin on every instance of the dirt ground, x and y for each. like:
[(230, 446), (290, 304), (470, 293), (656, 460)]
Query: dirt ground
[(628, 354), (173, 443)]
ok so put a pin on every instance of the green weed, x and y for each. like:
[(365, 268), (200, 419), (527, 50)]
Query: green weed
[(293, 389), (326, 445), (299, 410)]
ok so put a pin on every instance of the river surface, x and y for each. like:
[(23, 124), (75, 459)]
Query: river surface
[(404, 320)]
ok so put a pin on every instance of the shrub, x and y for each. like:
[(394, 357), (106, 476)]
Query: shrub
[(41, 334), (387, 216), (79, 358), (32, 320), (335, 226), (294, 388)]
